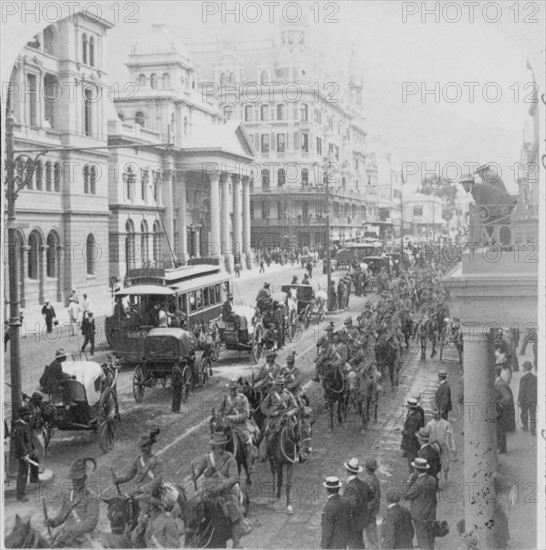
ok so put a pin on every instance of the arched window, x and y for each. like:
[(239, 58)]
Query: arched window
[(130, 251), (84, 48), (153, 81), (303, 112), (139, 118), (89, 100), (264, 111), (91, 254), (228, 113), (92, 51), (157, 237), (141, 81), (93, 180), (264, 77), (52, 242), (57, 177), (85, 173), (249, 112), (34, 243), (144, 241), (49, 175), (281, 111), (166, 81), (50, 41)]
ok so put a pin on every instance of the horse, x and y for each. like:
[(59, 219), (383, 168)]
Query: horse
[(385, 354), (23, 535), (427, 329), (407, 326), (289, 445), (255, 398), (335, 391), (206, 524)]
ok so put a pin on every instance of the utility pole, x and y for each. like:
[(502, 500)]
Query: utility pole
[(328, 252)]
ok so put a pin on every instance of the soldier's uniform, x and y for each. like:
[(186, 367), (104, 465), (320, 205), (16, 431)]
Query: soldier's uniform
[(268, 372), (79, 513), (157, 530), (292, 376)]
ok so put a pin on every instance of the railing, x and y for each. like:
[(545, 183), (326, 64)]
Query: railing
[(501, 225)]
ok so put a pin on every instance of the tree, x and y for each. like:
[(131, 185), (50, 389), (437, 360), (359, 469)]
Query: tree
[(443, 188)]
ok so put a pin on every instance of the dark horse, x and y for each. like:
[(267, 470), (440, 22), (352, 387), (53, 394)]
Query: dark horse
[(23, 535), (427, 329), (288, 446), (206, 525), (407, 326), (336, 390), (385, 354)]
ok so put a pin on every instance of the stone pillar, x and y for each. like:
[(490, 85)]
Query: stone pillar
[(226, 236), (214, 244), (480, 436), (246, 223), (182, 252), (237, 220), (22, 275), (167, 199)]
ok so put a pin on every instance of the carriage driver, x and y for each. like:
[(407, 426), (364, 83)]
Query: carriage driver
[(235, 410), (79, 513), (263, 299), (278, 404)]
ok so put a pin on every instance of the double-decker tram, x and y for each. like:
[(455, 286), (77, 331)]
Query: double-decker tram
[(191, 296)]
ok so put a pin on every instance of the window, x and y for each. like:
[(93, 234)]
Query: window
[(88, 112), (157, 240), (85, 172), (228, 113), (217, 293), (266, 180), (144, 241), (166, 81), (249, 111), (305, 210), (305, 177), (305, 143), (141, 81), (265, 210), (304, 112), (32, 99), (50, 41), (153, 81), (130, 244), (206, 297), (281, 143), (265, 143), (281, 177), (139, 118), (51, 255), (49, 175), (343, 182), (84, 48), (92, 51), (417, 210), (91, 254), (264, 112), (143, 183), (51, 93), (93, 180), (281, 111), (319, 146), (280, 210), (34, 243), (57, 177)]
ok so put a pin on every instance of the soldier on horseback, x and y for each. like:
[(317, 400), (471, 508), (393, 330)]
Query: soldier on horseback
[(292, 376), (155, 528), (235, 410), (268, 372), (279, 405), (350, 335)]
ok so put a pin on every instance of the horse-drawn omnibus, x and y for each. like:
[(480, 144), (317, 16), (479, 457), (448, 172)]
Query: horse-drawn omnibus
[(193, 294), (358, 251)]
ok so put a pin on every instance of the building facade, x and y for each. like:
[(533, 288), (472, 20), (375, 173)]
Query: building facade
[(423, 216)]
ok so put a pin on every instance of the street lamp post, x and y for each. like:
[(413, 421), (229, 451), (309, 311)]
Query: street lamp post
[(328, 252)]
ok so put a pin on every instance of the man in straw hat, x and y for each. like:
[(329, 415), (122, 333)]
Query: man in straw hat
[(79, 513), (336, 516), (360, 496), (53, 373), (397, 529), (441, 433), (430, 451), (421, 491), (410, 444)]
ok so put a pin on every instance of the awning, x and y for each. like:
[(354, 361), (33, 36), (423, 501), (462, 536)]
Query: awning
[(145, 290)]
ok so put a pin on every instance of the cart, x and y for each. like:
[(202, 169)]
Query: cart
[(243, 333), (164, 348), (308, 305)]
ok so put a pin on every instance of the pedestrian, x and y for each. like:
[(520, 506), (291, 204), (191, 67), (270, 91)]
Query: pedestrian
[(37, 423), (73, 314), (88, 331), (177, 383), (332, 297), (341, 294), (86, 306), (373, 505), (421, 491), (262, 266), (505, 407), (441, 433), (429, 451), (410, 444), (49, 315), (237, 269), (309, 268), (527, 398), (360, 495), (443, 395), (23, 449), (336, 516), (397, 529)]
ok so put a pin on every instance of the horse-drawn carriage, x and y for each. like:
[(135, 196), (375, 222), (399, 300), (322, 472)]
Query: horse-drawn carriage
[(243, 333), (163, 349), (305, 304), (85, 400)]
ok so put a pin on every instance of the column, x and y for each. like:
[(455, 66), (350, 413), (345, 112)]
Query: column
[(196, 234), (182, 252), (214, 244), (246, 223), (226, 209), (167, 199), (237, 225), (480, 437)]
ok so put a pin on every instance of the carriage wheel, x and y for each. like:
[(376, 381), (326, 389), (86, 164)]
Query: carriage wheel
[(47, 432), (138, 384), (110, 336), (186, 376), (308, 313), (107, 419)]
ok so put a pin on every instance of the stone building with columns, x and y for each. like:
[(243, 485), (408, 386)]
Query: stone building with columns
[(57, 96), (294, 125)]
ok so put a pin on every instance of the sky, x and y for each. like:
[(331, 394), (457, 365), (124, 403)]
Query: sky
[(399, 48)]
